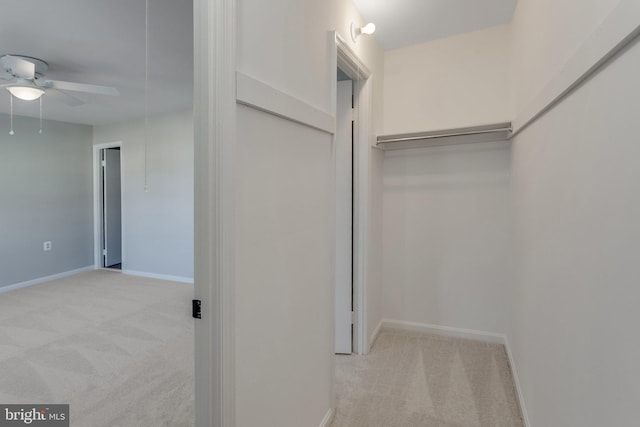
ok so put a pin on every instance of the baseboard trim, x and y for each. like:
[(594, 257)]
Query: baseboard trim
[(328, 418), (374, 335), (45, 279), (447, 331), (516, 380), (159, 276)]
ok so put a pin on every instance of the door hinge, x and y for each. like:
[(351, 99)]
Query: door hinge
[(104, 163), (353, 317), (104, 252), (353, 114), (196, 309)]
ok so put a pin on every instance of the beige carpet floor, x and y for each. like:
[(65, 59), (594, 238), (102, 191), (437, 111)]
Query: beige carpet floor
[(117, 348), (412, 379)]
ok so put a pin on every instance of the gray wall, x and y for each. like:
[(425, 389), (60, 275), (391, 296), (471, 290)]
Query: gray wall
[(45, 195), (158, 224)]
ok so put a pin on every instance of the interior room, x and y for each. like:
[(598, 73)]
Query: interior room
[(321, 213), (96, 270)]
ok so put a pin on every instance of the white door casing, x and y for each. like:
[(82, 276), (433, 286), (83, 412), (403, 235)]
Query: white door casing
[(363, 139)]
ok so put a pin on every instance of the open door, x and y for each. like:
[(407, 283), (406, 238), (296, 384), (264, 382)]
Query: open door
[(111, 209), (344, 218)]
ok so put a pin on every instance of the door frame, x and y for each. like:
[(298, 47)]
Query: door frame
[(214, 112), (97, 204), (347, 60)]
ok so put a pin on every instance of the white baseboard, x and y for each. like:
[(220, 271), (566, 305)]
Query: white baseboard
[(447, 331), (374, 335), (159, 276), (516, 380), (45, 279), (326, 421)]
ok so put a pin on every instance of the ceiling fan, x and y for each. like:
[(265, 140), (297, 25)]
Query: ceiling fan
[(28, 82)]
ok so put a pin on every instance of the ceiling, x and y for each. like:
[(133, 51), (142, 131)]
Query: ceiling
[(403, 23), (103, 42)]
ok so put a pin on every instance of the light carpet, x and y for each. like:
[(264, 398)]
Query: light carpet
[(117, 348), (413, 379)]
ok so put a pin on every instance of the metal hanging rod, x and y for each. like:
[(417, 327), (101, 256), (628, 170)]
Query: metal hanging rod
[(467, 135)]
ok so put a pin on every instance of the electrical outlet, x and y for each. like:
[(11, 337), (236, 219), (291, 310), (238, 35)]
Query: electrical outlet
[(47, 246)]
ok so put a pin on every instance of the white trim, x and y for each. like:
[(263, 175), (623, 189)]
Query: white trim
[(374, 334), (344, 57), (97, 215), (45, 279), (348, 60), (365, 136), (620, 28), (516, 380), (328, 418), (446, 331), (158, 276), (261, 96), (214, 173)]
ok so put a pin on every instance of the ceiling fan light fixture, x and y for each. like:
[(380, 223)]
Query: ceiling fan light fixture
[(26, 93)]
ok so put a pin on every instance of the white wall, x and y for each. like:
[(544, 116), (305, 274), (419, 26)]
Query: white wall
[(574, 305), (45, 195), (446, 209), (284, 297), (545, 34), (575, 302), (284, 252), (158, 224), (454, 82), (447, 235)]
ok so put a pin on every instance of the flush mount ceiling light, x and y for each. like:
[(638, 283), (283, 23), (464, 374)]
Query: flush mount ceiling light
[(356, 32), (26, 92)]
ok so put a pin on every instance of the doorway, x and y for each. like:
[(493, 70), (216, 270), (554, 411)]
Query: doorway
[(354, 71), (344, 214), (108, 223)]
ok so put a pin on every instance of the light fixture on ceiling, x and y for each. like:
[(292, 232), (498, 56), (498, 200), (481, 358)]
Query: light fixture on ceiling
[(356, 32), (26, 92)]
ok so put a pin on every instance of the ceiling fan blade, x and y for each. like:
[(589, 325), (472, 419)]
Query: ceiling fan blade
[(80, 87), (64, 98), (19, 67)]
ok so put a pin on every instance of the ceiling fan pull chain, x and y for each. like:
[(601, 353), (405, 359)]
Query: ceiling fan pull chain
[(11, 107), (40, 131)]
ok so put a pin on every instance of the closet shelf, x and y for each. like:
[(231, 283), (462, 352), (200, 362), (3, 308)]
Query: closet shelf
[(468, 135)]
